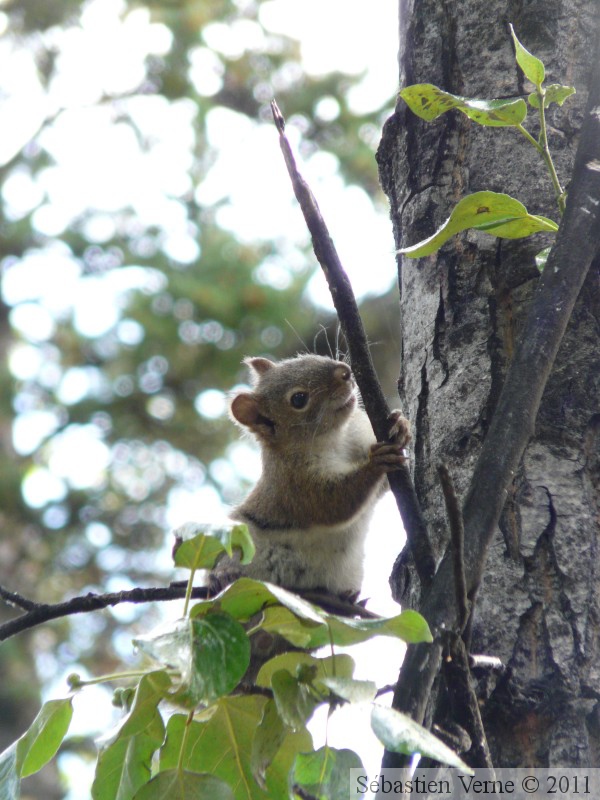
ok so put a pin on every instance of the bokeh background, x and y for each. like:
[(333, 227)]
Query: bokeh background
[(149, 240)]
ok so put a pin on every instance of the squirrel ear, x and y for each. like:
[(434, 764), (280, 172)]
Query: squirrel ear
[(259, 365), (245, 410)]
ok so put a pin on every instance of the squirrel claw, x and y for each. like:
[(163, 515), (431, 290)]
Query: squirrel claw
[(399, 431), (387, 457)]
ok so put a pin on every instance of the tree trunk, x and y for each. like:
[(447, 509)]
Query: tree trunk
[(538, 608)]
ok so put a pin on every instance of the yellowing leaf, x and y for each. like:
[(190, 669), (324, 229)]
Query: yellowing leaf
[(491, 212), (429, 102)]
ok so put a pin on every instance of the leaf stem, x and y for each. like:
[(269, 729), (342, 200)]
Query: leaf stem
[(545, 150), (529, 138), (184, 738), (115, 676), (188, 592)]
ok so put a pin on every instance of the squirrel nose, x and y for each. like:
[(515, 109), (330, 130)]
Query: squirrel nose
[(342, 373)]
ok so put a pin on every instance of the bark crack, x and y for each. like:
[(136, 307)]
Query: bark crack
[(440, 345), (422, 447)]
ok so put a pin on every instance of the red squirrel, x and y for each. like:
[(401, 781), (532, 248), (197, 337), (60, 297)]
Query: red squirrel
[(322, 472)]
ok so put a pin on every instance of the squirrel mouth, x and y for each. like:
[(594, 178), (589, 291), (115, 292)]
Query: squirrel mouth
[(349, 404)]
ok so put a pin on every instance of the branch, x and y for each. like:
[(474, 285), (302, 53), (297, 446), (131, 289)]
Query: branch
[(457, 540), (464, 703), (16, 600), (577, 243), (39, 613), (347, 310)]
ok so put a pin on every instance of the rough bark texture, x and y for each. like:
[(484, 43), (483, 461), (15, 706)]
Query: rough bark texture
[(539, 606)]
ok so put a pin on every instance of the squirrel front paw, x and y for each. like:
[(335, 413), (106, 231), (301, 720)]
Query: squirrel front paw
[(399, 432), (387, 457), (219, 579)]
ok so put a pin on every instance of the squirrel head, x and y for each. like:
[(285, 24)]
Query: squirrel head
[(295, 400)]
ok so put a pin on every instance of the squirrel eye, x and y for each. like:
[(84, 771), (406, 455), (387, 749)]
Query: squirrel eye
[(299, 399)]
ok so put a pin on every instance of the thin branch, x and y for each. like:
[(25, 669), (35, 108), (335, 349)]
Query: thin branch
[(347, 309), (464, 704), (39, 613), (16, 600), (457, 539)]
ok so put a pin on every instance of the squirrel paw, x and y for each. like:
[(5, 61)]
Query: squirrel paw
[(399, 428), (387, 457), (217, 581)]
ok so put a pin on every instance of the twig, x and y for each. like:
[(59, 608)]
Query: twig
[(16, 600), (39, 613), (464, 704), (374, 401), (457, 538)]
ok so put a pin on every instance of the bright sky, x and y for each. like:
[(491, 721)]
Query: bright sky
[(99, 165)]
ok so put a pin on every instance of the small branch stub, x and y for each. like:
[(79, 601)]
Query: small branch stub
[(457, 538)]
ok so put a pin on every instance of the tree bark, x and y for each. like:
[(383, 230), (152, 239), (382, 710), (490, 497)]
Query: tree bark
[(538, 608)]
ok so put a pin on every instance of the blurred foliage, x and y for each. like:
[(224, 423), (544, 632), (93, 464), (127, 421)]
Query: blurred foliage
[(131, 397)]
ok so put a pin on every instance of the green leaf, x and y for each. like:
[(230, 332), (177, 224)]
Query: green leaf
[(409, 626), (241, 599), (279, 771), (246, 597), (211, 654), (306, 625), (555, 93), (532, 67), (491, 212), (279, 620), (44, 736), (541, 258), (199, 546), (341, 665), (294, 699), (352, 690), (169, 644), (268, 738), (324, 773), (297, 605), (429, 102), (220, 656), (9, 777), (36, 747), (400, 734), (181, 785), (219, 742), (124, 764)]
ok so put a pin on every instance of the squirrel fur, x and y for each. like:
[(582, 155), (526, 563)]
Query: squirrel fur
[(322, 472)]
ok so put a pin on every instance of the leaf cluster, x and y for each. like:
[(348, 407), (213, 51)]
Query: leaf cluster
[(491, 212), (193, 726)]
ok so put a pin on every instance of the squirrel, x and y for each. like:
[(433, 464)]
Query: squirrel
[(322, 472)]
